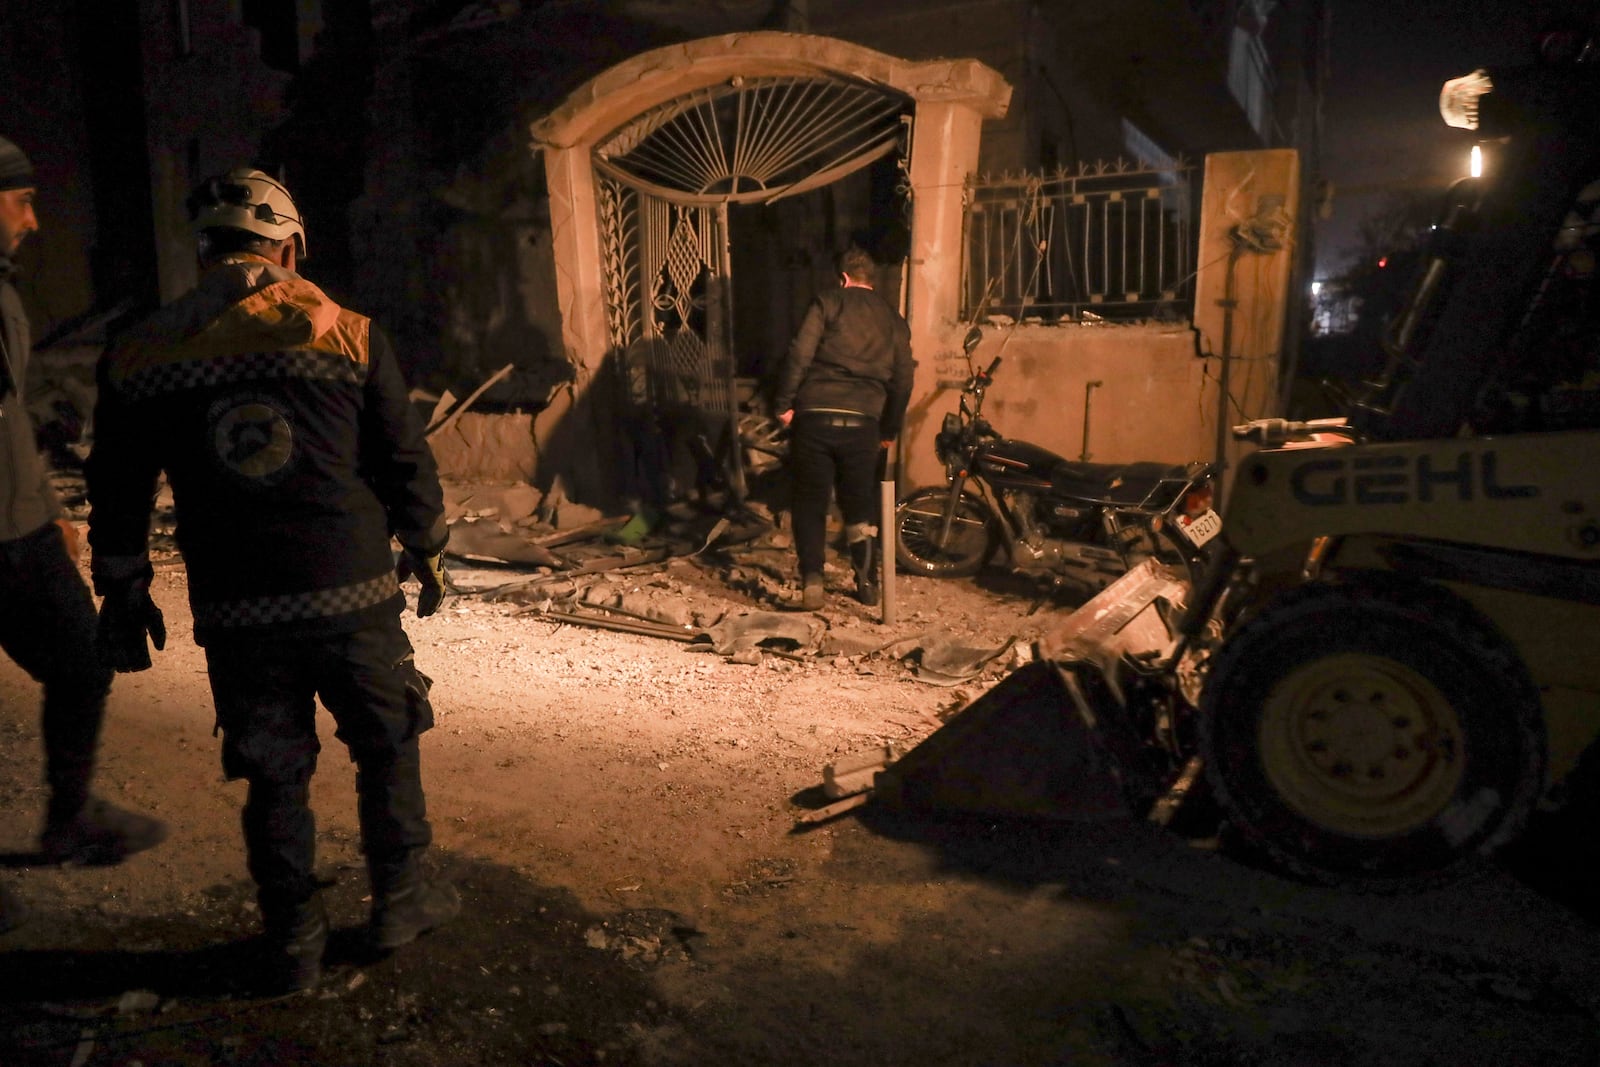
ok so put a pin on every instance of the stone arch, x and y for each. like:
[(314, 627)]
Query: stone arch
[(949, 99), (635, 85)]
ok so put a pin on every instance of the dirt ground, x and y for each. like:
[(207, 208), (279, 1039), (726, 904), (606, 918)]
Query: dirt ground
[(619, 812)]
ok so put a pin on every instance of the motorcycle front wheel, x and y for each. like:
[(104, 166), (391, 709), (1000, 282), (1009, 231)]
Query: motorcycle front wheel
[(923, 545)]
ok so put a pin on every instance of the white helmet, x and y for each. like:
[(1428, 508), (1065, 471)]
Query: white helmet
[(246, 199)]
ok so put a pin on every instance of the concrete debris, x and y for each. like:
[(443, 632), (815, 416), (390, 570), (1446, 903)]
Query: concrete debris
[(138, 1002), (643, 936), (569, 515), (850, 644), (646, 607), (601, 593), (566, 514), (590, 574), (673, 612)]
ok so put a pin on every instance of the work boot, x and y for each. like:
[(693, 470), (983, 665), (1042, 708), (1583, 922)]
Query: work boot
[(413, 907), (13, 913), (100, 833), (866, 574), (296, 936), (812, 593)]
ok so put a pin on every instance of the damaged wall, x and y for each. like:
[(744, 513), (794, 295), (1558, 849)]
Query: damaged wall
[(1154, 399), (486, 448), (1161, 388)]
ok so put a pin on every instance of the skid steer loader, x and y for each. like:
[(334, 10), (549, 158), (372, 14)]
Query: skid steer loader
[(1393, 654)]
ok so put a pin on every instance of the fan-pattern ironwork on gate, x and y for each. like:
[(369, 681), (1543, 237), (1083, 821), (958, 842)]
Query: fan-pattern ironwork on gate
[(752, 139)]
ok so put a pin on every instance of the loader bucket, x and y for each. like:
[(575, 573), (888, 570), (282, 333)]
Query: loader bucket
[(1052, 740), (1020, 749)]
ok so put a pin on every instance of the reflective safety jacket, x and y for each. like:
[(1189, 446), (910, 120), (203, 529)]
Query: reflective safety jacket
[(289, 441)]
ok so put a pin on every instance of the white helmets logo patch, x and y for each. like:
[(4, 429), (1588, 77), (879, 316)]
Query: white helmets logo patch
[(253, 439)]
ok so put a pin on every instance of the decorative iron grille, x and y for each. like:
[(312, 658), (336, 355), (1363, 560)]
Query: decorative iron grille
[(754, 139), (662, 300), (1109, 240)]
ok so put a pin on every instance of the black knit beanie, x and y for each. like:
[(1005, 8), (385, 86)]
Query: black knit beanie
[(16, 170)]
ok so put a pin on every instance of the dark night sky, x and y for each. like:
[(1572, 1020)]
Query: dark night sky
[(1383, 131)]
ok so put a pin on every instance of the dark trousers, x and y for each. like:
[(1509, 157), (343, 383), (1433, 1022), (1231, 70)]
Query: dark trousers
[(47, 625), (265, 694), (826, 457)]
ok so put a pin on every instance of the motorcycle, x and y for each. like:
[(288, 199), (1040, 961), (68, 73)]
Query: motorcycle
[(1065, 521)]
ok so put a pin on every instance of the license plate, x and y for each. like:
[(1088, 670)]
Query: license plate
[(1200, 528)]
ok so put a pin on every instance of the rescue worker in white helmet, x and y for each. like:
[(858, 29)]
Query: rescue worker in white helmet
[(284, 427)]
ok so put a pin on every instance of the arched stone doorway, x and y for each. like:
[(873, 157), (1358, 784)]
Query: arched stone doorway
[(644, 164)]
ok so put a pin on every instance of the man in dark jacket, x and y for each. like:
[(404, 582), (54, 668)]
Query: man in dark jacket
[(47, 621), (286, 432), (842, 392)]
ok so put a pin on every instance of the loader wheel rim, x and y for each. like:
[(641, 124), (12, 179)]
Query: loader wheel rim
[(1362, 745)]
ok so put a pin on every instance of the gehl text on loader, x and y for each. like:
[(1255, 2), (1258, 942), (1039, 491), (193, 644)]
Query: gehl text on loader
[(1389, 659)]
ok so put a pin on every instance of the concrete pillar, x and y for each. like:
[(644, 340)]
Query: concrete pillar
[(944, 150), (568, 426)]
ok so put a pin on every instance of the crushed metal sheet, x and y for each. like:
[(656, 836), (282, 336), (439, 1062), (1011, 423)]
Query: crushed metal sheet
[(755, 628), (942, 660)]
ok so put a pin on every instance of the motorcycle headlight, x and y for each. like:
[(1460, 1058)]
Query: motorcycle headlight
[(1458, 100), (948, 438)]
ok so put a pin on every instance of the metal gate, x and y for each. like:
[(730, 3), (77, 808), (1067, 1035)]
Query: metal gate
[(666, 272), (664, 182)]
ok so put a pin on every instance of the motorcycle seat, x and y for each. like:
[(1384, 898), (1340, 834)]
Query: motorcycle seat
[(1119, 484)]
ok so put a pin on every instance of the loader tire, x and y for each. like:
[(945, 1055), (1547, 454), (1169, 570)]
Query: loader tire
[(919, 547), (1372, 737)]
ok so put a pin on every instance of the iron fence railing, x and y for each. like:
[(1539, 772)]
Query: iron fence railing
[(1109, 240)]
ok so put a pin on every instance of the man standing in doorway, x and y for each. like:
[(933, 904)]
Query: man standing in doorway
[(842, 391), (47, 620), (287, 435)]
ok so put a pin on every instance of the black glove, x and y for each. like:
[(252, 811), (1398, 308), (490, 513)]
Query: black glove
[(428, 569), (127, 615)]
